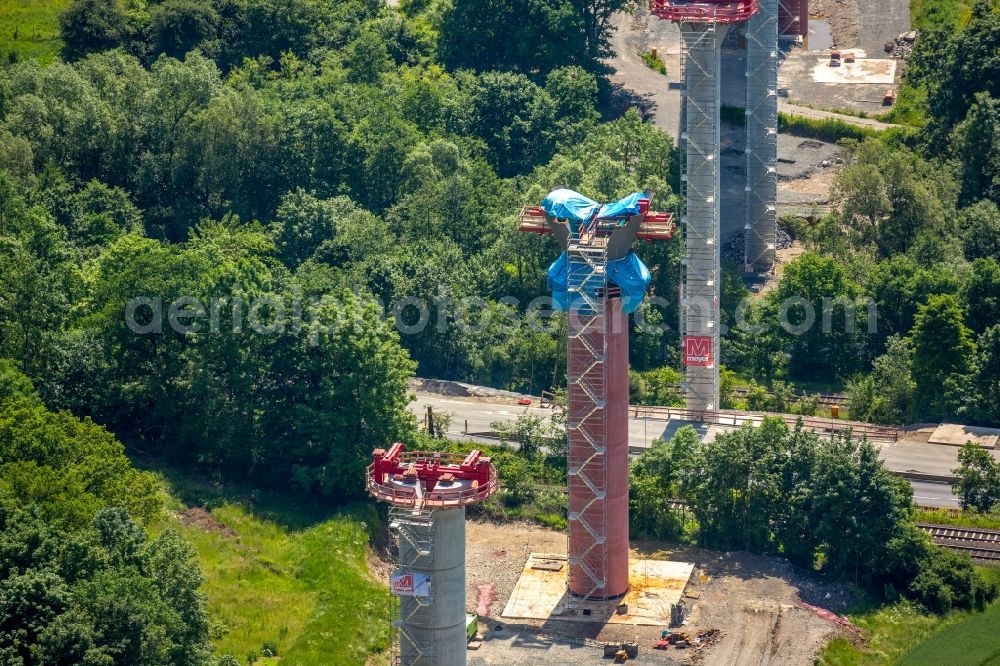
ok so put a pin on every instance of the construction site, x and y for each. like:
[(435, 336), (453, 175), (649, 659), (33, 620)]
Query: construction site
[(486, 594)]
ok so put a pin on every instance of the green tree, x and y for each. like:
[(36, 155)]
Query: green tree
[(822, 323), (70, 467), (99, 214), (899, 286), (888, 394), (732, 486), (754, 346), (527, 36), (92, 25), (367, 58), (970, 65), (39, 280), (654, 481), (178, 26), (529, 433), (859, 506), (977, 479), (981, 236), (976, 141), (890, 198), (303, 223), (942, 347), (987, 376), (982, 294), (515, 118), (574, 92)]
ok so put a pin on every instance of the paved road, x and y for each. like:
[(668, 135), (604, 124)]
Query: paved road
[(924, 458), (926, 493)]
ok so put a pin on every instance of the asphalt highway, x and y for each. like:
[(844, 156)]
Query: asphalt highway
[(476, 416)]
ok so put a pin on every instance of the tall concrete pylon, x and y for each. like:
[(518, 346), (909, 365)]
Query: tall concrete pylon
[(427, 493), (597, 389), (701, 222), (762, 139), (703, 25)]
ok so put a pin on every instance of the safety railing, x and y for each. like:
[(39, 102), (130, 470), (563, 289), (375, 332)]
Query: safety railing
[(402, 494), (730, 418), (704, 11)]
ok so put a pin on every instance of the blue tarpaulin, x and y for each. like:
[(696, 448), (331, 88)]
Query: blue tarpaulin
[(629, 273), (623, 207), (564, 204)]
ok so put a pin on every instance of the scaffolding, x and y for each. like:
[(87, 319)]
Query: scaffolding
[(793, 18), (703, 26), (413, 528), (700, 186), (762, 139), (427, 493), (587, 423)]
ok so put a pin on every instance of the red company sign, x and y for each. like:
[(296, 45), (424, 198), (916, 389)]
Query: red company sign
[(410, 584), (402, 584), (698, 350)]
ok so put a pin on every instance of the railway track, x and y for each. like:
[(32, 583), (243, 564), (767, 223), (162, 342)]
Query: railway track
[(980, 544)]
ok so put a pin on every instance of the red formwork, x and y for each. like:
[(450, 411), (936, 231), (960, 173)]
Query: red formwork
[(793, 18), (617, 340), (704, 11), (609, 427), (429, 479)]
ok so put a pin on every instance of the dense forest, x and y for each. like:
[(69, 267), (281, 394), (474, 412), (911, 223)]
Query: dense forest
[(344, 170), (915, 234), (232, 230)]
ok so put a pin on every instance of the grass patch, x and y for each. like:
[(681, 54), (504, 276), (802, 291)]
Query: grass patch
[(281, 575), (929, 14), (30, 29), (890, 631), (843, 111), (824, 129), (910, 108), (902, 633), (654, 62), (306, 593), (958, 518), (972, 641)]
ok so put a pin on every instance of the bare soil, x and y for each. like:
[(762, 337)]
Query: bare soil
[(752, 600), (198, 518), (844, 17)]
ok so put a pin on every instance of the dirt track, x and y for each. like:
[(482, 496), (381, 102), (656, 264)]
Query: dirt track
[(649, 90)]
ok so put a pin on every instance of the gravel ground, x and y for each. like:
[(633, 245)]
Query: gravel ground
[(881, 21)]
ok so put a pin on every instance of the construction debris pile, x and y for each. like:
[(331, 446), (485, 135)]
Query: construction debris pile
[(735, 246), (901, 47), (681, 639), (707, 637)]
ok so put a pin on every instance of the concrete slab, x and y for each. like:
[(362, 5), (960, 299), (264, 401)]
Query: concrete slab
[(862, 70), (654, 585), (797, 83), (952, 434)]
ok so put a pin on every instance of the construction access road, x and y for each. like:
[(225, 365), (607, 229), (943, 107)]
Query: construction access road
[(928, 466)]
